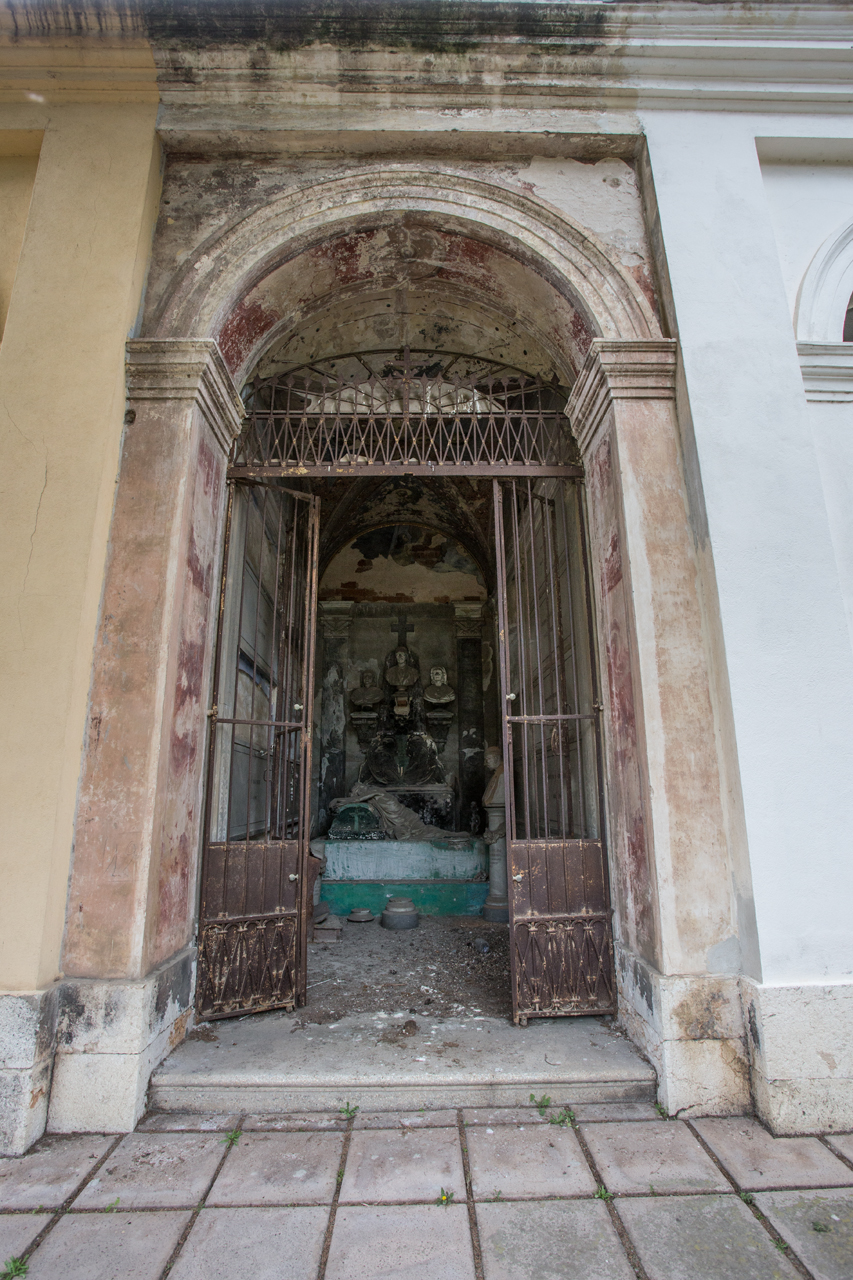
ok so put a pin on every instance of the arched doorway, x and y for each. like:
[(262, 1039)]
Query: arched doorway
[(433, 420), (253, 295)]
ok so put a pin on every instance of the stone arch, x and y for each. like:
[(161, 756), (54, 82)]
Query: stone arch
[(826, 289), (212, 283)]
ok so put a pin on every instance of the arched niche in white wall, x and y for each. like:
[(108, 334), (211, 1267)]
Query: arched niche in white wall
[(826, 289)]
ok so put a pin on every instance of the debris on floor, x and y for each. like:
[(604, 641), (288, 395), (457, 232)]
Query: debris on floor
[(449, 966)]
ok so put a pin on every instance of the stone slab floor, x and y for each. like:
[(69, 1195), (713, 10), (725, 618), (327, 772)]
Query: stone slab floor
[(609, 1192)]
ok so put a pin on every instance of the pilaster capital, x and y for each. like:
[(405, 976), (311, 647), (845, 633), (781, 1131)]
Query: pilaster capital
[(827, 369), (613, 370), (336, 618), (183, 370), (469, 621)]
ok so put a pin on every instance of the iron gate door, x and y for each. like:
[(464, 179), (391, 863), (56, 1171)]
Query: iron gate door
[(561, 945), (253, 912)]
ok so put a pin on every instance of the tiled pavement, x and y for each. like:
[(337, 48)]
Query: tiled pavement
[(613, 1193)]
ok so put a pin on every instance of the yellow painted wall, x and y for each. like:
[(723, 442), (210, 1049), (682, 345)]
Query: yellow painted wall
[(19, 150), (75, 297)]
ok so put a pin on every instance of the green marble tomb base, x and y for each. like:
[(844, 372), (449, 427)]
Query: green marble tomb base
[(395, 860), (431, 897)]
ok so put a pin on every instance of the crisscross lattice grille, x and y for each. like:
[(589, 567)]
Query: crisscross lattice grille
[(413, 409), (565, 966), (247, 964)]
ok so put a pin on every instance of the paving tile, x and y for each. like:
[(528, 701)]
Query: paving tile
[(296, 1122), (702, 1238), (756, 1159), (405, 1120), (799, 1217), (502, 1115), (155, 1171), (17, 1232), (188, 1122), (526, 1163), (279, 1168), (568, 1240), (662, 1154), (48, 1174), (264, 1244), (842, 1143), (401, 1242), (394, 1164), (600, 1111), (108, 1246)]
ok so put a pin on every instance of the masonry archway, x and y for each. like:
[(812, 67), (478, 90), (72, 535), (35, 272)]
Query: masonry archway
[(499, 263), (227, 289)]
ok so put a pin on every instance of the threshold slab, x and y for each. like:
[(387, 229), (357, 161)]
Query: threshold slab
[(276, 1063)]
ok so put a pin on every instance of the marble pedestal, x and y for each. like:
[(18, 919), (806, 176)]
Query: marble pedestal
[(496, 906), (404, 860)]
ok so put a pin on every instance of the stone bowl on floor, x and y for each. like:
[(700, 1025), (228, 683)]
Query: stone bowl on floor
[(400, 913)]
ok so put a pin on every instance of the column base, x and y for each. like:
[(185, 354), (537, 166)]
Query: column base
[(27, 1040), (110, 1037), (801, 1047), (690, 1027), (497, 913)]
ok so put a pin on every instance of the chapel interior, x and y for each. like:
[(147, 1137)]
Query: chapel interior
[(406, 704)]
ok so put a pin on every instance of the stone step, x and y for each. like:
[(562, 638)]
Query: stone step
[(386, 1062)]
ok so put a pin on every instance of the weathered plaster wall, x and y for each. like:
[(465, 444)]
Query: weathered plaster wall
[(76, 294), (404, 280), (781, 606), (782, 612), (81, 206)]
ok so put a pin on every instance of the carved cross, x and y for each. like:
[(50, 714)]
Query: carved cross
[(402, 628)]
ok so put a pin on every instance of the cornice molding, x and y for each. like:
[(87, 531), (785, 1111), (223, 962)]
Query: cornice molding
[(247, 56), (180, 370), (619, 371), (827, 369)]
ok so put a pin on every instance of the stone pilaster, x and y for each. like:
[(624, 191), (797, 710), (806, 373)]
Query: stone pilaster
[(678, 966), (131, 898), (335, 618)]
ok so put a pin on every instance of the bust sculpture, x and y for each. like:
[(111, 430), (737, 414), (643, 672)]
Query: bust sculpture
[(494, 793), (438, 691), (401, 675), (368, 693)]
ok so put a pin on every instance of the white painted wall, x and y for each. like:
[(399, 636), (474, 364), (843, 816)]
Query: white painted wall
[(787, 644), (807, 203), (832, 426)]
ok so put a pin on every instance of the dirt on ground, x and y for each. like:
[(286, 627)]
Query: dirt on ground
[(449, 966)]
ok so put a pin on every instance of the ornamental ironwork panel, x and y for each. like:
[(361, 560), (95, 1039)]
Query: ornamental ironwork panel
[(560, 920), (246, 965), (564, 966), (386, 411)]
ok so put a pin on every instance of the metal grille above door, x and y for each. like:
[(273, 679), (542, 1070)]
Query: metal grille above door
[(384, 412), (560, 921), (253, 940)]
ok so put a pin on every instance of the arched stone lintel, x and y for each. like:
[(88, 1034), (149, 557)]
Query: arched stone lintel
[(225, 267)]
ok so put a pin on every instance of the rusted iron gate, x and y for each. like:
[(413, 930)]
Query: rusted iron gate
[(252, 936), (415, 413)]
